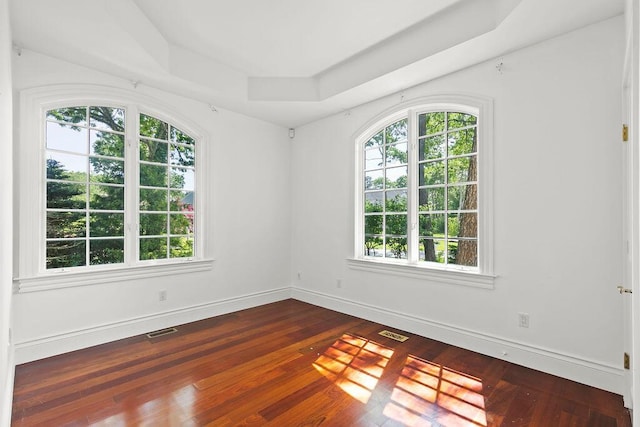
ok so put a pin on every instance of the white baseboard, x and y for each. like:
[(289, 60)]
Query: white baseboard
[(578, 369), (41, 348)]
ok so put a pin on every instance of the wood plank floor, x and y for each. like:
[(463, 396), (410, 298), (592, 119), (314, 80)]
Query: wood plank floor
[(295, 364)]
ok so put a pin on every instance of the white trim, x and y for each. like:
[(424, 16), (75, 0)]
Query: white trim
[(477, 105), (115, 274), (593, 373), (33, 104), (447, 276), (6, 406), (52, 345)]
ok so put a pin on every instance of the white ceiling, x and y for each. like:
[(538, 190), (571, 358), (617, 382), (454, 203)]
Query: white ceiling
[(291, 62), (291, 38)]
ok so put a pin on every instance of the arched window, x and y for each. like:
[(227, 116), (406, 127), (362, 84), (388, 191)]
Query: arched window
[(108, 180), (424, 187)]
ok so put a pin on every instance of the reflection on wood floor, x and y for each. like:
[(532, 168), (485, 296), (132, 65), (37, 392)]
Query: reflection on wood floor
[(295, 364)]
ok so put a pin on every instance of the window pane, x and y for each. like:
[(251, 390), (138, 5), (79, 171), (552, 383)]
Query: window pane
[(463, 225), (431, 225), (181, 223), (373, 224), (153, 175), (178, 136), (155, 248), (396, 201), (459, 120), (464, 252), (432, 148), (106, 197), (431, 199), (396, 154), (153, 224), (106, 251), (66, 196), (373, 201), (181, 200), (432, 250), (431, 173), (397, 247), (396, 132), (396, 225), (66, 138), (430, 123), (453, 225), (66, 253), (462, 169), (374, 180), (463, 197), (152, 127), (107, 118), (462, 142), (106, 224), (107, 170), (66, 225), (182, 155), (153, 151), (153, 200), (66, 166), (373, 158), (373, 246), (183, 178), (181, 247), (77, 115), (107, 144), (377, 139), (397, 177)]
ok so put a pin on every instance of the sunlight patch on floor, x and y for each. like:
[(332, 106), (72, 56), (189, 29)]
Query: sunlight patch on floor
[(355, 364)]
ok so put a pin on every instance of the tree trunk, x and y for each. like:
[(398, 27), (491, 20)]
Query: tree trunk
[(468, 249)]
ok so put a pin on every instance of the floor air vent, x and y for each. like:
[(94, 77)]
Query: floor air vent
[(161, 332), (393, 336)]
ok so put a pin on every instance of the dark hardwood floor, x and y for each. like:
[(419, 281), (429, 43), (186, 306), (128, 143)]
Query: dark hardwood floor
[(295, 364)]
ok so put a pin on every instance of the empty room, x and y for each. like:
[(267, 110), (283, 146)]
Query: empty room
[(305, 213)]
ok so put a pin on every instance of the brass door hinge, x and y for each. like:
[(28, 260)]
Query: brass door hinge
[(627, 361), (625, 133)]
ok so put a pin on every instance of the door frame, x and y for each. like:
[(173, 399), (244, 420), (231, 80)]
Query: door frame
[(631, 208)]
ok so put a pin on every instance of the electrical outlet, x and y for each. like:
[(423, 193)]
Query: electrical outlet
[(162, 295), (299, 275), (523, 320), (338, 283), (627, 361)]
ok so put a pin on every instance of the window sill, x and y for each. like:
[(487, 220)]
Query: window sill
[(453, 277), (71, 279)]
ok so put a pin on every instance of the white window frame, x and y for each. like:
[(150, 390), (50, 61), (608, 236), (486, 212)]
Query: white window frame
[(33, 274), (481, 276)]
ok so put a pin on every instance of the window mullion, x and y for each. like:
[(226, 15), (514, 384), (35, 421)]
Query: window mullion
[(87, 189), (412, 190), (131, 184)]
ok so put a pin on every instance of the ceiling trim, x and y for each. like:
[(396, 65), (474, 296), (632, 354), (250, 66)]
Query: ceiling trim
[(459, 23)]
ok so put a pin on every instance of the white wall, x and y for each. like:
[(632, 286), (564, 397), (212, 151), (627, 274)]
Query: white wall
[(557, 214), (6, 202), (248, 229)]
